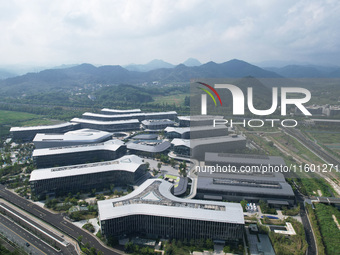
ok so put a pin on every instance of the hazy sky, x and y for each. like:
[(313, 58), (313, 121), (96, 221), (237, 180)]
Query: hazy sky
[(123, 32)]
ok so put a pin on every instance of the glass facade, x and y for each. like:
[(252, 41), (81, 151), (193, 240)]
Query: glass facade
[(168, 227)]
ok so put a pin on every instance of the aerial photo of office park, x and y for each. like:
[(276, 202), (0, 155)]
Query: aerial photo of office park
[(223, 152)]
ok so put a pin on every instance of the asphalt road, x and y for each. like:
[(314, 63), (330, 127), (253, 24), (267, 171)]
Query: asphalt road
[(21, 237), (308, 229), (56, 220)]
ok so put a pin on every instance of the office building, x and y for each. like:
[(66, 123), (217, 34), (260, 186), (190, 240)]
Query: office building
[(196, 148), (80, 178), (157, 124), (79, 154), (197, 120), (71, 138), (116, 111), (245, 179), (152, 211), (109, 126), (148, 147), (140, 116), (196, 132), (27, 134)]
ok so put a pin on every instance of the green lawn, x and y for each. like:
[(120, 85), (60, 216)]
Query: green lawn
[(171, 99), (10, 119), (326, 137)]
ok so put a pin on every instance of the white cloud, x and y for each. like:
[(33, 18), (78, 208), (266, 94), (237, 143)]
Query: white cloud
[(122, 32)]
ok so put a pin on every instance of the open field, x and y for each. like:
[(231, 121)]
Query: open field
[(12, 118), (171, 99), (7, 117)]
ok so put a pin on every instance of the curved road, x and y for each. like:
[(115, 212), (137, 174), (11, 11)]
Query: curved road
[(56, 220)]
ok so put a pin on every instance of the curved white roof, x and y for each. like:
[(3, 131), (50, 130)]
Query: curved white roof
[(81, 135), (111, 145), (98, 122), (66, 124), (181, 142), (129, 163), (153, 197)]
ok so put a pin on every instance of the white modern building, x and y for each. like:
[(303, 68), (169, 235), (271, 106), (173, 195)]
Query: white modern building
[(139, 115), (117, 111), (85, 177), (196, 148), (79, 154), (196, 132), (151, 210), (27, 134), (71, 138), (109, 126), (197, 120)]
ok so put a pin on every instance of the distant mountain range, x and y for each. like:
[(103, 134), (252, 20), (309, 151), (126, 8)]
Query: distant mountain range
[(4, 74), (158, 63), (158, 71), (78, 76), (306, 71)]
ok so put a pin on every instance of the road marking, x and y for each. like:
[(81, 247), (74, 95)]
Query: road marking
[(24, 239), (41, 213), (62, 222)]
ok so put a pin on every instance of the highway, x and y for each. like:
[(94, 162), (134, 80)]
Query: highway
[(58, 221), (21, 237)]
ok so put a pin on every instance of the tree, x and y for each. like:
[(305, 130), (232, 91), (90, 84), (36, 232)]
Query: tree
[(159, 165), (244, 204), (172, 162), (226, 249), (80, 238), (129, 246), (209, 243)]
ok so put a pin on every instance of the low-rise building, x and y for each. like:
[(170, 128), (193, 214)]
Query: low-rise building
[(236, 177), (109, 126), (71, 138), (118, 111), (172, 115), (197, 120), (196, 132), (85, 177), (196, 148), (27, 134), (151, 210), (157, 124), (79, 154), (148, 147)]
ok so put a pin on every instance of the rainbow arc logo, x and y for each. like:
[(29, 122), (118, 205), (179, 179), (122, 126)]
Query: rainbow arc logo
[(209, 93)]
